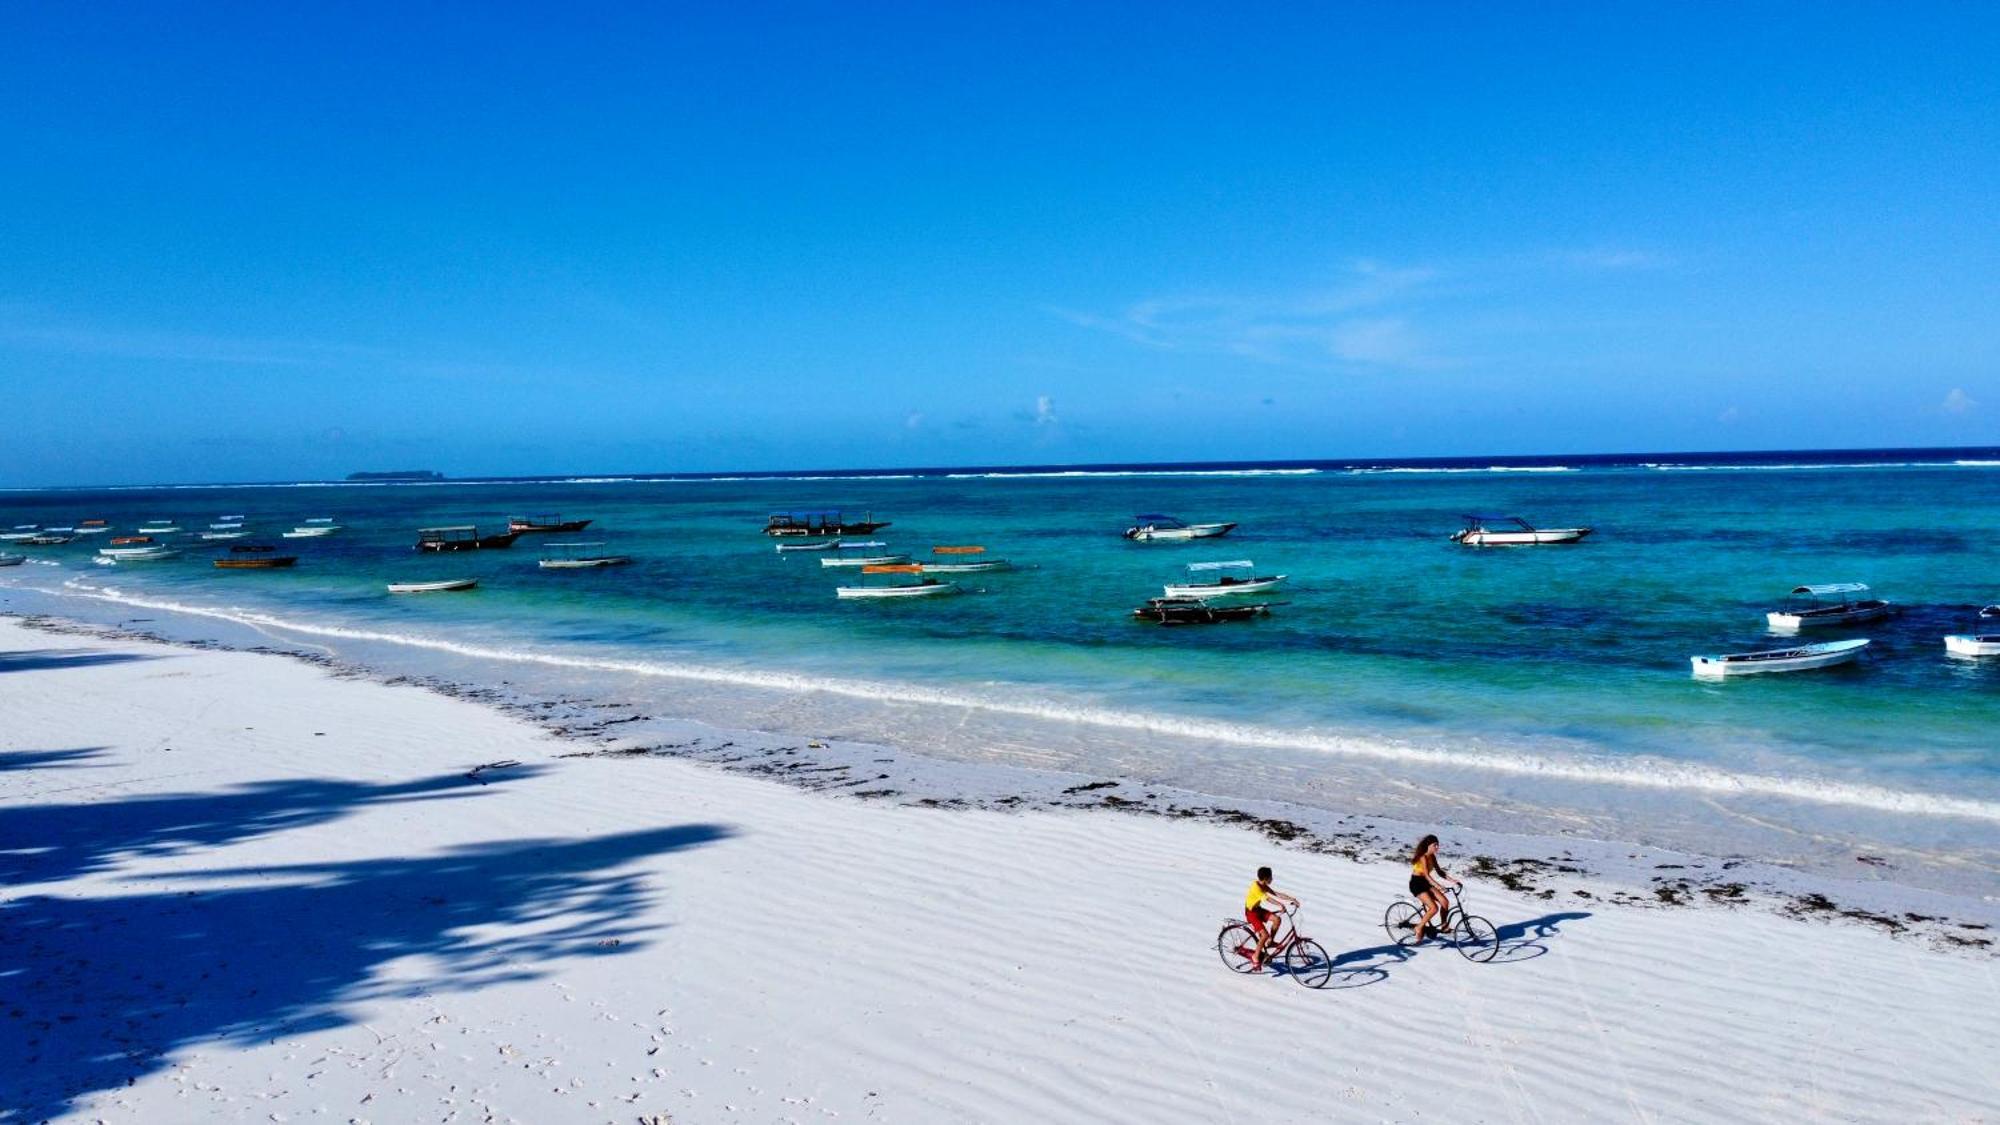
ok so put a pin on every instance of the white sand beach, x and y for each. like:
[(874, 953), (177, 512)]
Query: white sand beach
[(243, 888)]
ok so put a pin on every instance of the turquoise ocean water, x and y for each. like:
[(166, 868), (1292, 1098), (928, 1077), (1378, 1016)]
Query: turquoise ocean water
[(1395, 648)]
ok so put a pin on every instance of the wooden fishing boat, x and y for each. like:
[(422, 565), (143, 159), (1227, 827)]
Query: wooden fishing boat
[(464, 537), (20, 534), (1832, 603), (47, 539), (1199, 611), (1512, 531), (821, 523), (827, 545), (312, 531), (579, 556), (962, 560), (12, 560), (137, 554), (921, 588), (256, 562), (214, 536), (251, 548), (226, 526), (858, 544), (1158, 528), (1222, 579), (157, 529), (543, 523), (433, 587), (1826, 654), (866, 560), (130, 540), (92, 527)]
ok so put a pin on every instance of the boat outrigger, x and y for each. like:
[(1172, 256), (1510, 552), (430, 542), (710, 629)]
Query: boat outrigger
[(962, 560), (1834, 603), (463, 537), (1512, 531), (579, 556), (433, 587), (1222, 579), (1158, 528), (1800, 659), (544, 522), (1979, 643), (815, 524), (921, 588), (1199, 611)]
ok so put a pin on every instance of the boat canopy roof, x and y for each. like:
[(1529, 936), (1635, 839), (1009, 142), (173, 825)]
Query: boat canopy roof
[(1160, 517), (1238, 564), (1471, 517), (436, 530), (958, 550), (806, 513), (893, 568), (1833, 588)]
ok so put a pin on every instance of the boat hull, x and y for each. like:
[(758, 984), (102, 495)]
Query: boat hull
[(967, 568), (433, 587), (266, 562), (827, 545), (1781, 621), (1802, 659), (585, 564), (484, 543), (1192, 611), (1179, 534), (1542, 538), (136, 554), (1224, 589), (1961, 644), (823, 530), (524, 527), (927, 590), (866, 560)]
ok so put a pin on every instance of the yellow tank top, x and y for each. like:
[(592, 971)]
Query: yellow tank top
[(1254, 896), (1421, 866)]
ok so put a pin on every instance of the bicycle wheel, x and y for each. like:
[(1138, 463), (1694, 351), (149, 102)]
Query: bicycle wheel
[(1235, 944), (1308, 963), (1400, 921), (1476, 938)]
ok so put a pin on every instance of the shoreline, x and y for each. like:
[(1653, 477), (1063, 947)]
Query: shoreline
[(1551, 868)]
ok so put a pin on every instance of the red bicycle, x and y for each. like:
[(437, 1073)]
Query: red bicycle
[(1304, 959)]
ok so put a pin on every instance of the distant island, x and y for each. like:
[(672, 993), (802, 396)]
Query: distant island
[(399, 474)]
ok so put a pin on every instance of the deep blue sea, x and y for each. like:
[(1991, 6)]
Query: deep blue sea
[(1394, 649)]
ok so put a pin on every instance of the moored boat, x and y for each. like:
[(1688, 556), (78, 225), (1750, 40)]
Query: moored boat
[(1199, 611), (219, 535), (137, 554), (821, 523), (962, 560), (1159, 528), (1803, 658), (1222, 579), (544, 522), (433, 587), (1512, 531), (1831, 603), (19, 534), (463, 537), (12, 560), (1977, 643), (130, 540), (579, 556), (47, 539), (312, 531), (256, 562), (827, 545), (92, 527), (921, 588), (865, 560), (231, 525), (158, 528)]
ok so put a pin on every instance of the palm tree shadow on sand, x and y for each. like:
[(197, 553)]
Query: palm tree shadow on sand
[(97, 992)]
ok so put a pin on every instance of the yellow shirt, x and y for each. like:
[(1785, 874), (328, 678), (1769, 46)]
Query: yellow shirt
[(1421, 866), (1254, 897)]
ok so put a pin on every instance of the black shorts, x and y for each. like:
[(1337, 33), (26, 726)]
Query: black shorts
[(1419, 885)]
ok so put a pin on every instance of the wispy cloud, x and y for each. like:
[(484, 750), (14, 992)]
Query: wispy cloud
[(1608, 258), (1958, 402), (184, 347), (1045, 410)]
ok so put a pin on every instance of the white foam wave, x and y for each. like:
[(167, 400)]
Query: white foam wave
[(1136, 473), (1671, 467), (1679, 777), (1469, 469)]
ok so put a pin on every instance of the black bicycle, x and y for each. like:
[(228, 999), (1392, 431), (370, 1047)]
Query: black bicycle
[(1471, 935)]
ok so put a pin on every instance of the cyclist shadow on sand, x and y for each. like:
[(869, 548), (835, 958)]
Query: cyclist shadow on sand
[(1518, 941)]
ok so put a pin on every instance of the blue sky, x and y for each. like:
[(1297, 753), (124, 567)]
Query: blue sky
[(257, 242)]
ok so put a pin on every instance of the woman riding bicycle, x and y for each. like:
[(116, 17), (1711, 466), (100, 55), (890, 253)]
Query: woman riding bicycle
[(1427, 877)]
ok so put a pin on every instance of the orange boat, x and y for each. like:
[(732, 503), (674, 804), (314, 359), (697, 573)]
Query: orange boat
[(129, 540)]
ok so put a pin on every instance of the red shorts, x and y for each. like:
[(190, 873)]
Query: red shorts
[(1256, 916)]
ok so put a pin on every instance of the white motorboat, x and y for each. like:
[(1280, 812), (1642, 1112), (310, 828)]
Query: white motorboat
[(214, 535), (12, 560), (320, 520), (962, 560), (91, 529), (1832, 603), (1222, 579), (1800, 659), (18, 535), (921, 588), (1976, 643), (1158, 528), (137, 554), (865, 560), (858, 544), (1512, 531), (47, 539), (231, 526), (158, 529), (579, 556), (433, 587), (313, 531), (786, 548)]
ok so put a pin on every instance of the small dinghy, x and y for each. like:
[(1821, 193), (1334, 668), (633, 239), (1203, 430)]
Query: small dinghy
[(432, 587), (137, 554), (1512, 531), (19, 534), (829, 545), (1157, 528), (962, 560), (1977, 643), (214, 536), (257, 562), (544, 522), (1834, 603), (463, 537), (92, 527), (230, 526), (47, 539), (1222, 579), (921, 588), (858, 544), (312, 531), (1196, 611), (1826, 654), (12, 560)]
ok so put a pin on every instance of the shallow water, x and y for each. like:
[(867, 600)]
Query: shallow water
[(1552, 666)]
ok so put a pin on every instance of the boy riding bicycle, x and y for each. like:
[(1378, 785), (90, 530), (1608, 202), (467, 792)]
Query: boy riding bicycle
[(1258, 909)]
